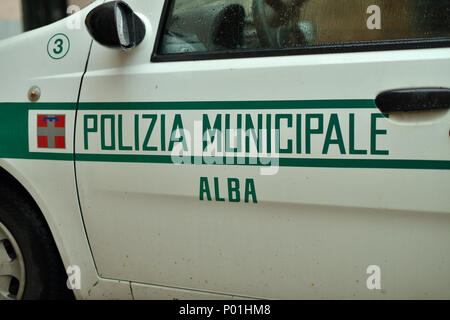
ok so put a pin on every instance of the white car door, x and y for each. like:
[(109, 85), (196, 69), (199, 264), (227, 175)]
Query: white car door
[(339, 200)]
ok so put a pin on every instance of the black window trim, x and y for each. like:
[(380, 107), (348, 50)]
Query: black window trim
[(362, 46)]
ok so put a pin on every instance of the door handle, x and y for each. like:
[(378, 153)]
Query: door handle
[(420, 99)]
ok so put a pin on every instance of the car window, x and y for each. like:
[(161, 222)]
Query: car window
[(207, 26)]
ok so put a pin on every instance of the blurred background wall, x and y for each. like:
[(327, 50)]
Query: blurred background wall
[(10, 18), (17, 16)]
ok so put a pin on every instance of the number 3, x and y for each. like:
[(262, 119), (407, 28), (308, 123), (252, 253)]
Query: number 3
[(59, 44)]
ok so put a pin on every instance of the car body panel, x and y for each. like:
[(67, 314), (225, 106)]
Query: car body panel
[(317, 225), (133, 221)]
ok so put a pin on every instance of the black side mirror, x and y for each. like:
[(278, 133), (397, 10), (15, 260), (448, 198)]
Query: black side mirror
[(115, 25)]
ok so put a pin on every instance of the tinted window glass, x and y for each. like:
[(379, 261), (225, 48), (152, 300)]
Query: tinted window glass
[(239, 25)]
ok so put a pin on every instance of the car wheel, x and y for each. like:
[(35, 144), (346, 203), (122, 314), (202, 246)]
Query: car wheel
[(30, 265)]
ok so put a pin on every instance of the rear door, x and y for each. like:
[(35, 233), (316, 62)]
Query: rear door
[(239, 150)]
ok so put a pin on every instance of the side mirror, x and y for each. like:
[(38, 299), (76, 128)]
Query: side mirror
[(115, 25)]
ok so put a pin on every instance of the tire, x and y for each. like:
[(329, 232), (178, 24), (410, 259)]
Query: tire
[(29, 244)]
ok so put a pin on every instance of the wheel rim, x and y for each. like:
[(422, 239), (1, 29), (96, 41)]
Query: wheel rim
[(12, 267)]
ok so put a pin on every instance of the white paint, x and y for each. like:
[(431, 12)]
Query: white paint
[(314, 230)]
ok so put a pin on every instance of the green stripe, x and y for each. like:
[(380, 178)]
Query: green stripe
[(14, 133), (15, 106), (14, 130), (232, 105), (195, 105), (283, 162), (50, 156)]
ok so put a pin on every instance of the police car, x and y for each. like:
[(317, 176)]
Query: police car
[(197, 149)]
